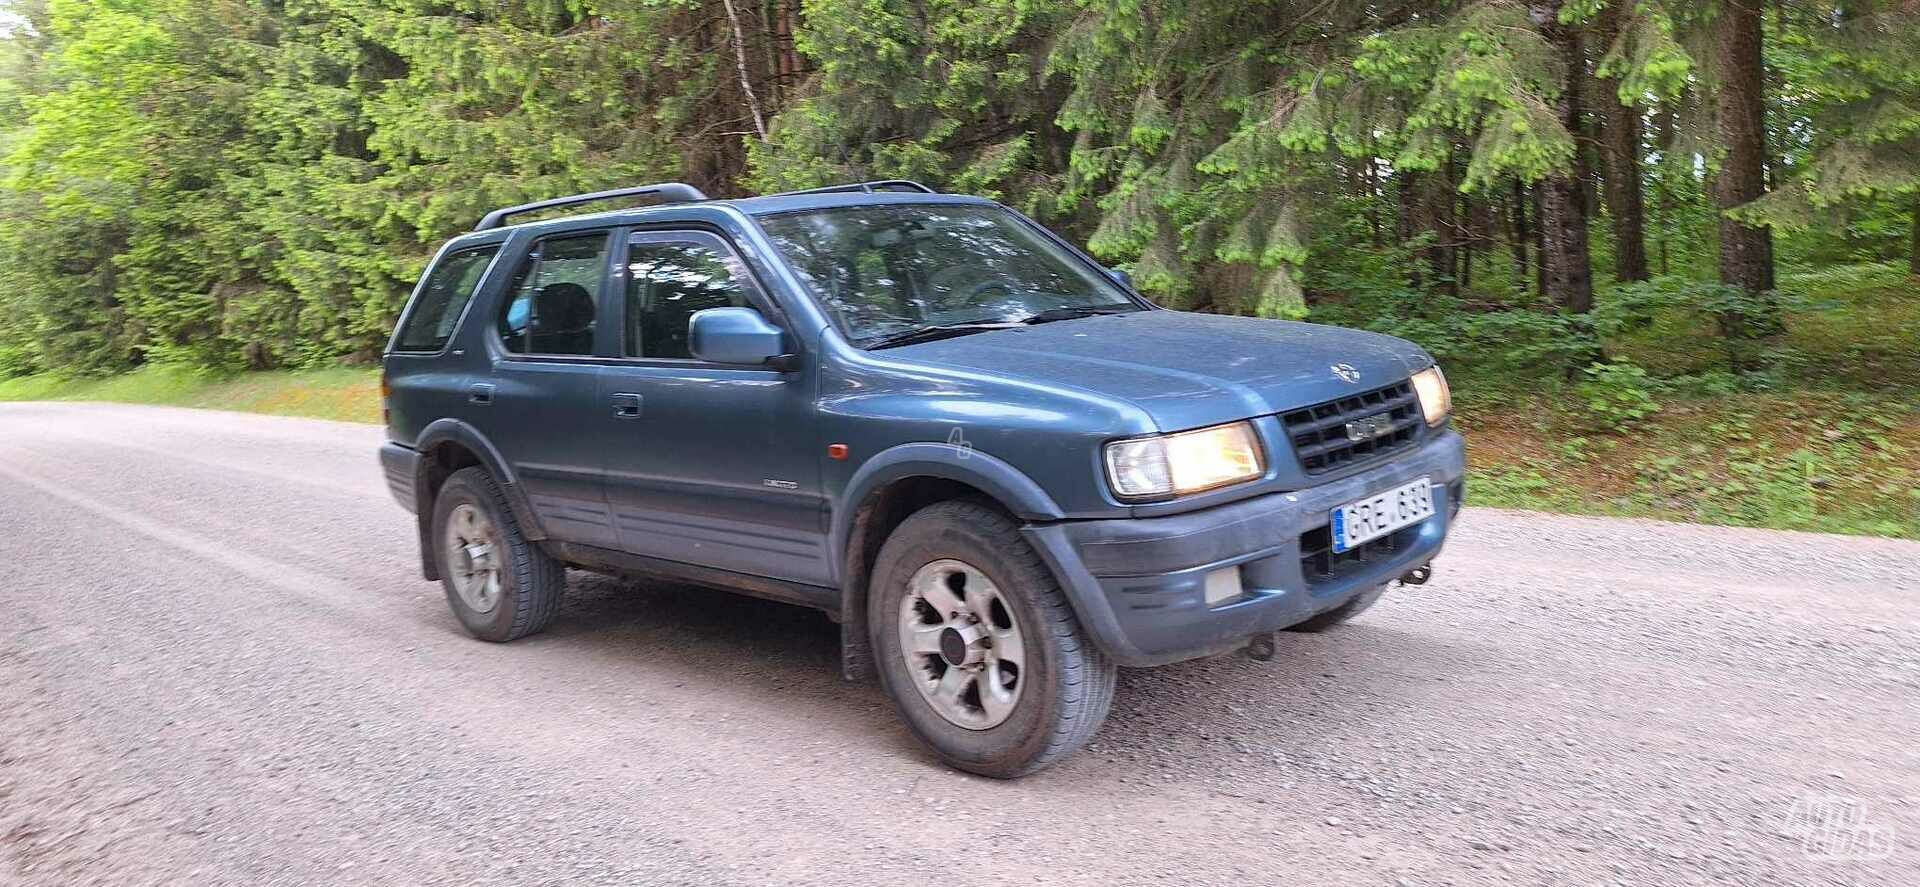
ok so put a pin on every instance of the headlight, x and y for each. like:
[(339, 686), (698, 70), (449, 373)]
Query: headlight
[(1188, 462), (1436, 400)]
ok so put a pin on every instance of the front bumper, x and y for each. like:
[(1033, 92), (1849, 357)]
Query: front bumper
[(1139, 585)]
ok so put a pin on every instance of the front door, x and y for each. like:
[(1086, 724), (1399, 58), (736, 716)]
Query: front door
[(710, 464)]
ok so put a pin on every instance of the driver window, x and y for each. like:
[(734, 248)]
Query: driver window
[(551, 310), (667, 282)]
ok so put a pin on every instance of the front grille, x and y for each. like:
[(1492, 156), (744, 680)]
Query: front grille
[(1321, 565), (1319, 432)]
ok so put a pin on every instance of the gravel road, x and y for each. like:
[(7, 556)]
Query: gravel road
[(219, 665)]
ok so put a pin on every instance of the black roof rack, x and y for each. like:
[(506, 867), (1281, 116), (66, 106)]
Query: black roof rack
[(671, 192), (864, 188)]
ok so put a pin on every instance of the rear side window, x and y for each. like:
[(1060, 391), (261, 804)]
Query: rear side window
[(551, 309), (450, 284)]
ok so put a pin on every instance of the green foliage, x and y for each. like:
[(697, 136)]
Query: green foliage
[(1646, 59), (1857, 96), (239, 184), (1617, 395), (246, 184), (1674, 308), (951, 94)]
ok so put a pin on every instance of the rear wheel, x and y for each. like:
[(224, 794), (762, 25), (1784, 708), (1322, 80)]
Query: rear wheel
[(978, 647), (500, 585)]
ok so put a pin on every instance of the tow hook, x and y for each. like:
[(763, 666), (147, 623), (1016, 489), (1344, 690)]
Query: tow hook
[(1261, 646), (1417, 576)]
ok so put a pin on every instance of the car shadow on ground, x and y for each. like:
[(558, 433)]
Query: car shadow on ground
[(788, 658)]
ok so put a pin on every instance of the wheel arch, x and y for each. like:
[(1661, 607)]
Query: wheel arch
[(895, 484), (446, 446)]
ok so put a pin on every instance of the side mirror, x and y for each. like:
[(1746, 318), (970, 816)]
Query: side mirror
[(1121, 277), (734, 335)]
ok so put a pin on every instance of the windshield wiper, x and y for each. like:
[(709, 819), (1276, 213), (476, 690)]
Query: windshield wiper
[(1072, 311), (937, 332)]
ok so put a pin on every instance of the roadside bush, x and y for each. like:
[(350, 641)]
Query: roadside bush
[(1617, 395), (1674, 314), (1519, 342)]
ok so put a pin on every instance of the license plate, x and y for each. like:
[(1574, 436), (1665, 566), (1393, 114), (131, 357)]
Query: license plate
[(1358, 523)]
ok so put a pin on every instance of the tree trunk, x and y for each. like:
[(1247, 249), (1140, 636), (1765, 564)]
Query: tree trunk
[(1622, 141), (1476, 230), (1444, 217), (1563, 205), (740, 65), (1426, 214), (1411, 222), (1372, 178), (1522, 237), (1539, 241), (1664, 133), (1746, 252)]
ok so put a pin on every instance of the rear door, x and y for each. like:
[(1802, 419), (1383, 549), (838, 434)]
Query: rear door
[(540, 406), (708, 464)]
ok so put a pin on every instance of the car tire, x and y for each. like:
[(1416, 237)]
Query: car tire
[(1359, 604), (1051, 686), (500, 585)]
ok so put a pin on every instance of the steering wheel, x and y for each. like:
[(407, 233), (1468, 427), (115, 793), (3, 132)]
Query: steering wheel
[(961, 293)]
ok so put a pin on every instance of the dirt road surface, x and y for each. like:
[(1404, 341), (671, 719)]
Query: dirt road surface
[(219, 665)]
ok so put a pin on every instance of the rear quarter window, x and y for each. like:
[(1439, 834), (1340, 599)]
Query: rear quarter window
[(437, 309)]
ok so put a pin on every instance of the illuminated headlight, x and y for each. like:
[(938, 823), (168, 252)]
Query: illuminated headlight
[(1188, 462), (1436, 400)]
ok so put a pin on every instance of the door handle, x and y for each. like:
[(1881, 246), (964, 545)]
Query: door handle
[(626, 406), (480, 393)]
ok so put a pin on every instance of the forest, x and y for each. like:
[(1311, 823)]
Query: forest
[(1669, 251)]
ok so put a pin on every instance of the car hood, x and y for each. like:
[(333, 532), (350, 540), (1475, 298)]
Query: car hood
[(1185, 370)]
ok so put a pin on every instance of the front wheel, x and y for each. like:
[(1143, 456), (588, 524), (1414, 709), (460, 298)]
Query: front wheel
[(978, 647)]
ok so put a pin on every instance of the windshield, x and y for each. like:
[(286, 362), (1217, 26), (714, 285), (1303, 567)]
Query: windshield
[(881, 271)]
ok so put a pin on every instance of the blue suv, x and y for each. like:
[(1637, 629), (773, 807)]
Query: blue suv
[(1002, 471)]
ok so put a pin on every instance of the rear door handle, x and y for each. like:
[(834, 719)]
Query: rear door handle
[(480, 393), (626, 406)]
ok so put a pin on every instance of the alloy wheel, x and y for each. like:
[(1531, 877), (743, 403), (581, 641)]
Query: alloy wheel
[(964, 649), (473, 557)]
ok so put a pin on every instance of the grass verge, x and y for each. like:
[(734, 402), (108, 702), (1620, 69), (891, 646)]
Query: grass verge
[(345, 394), (1834, 462)]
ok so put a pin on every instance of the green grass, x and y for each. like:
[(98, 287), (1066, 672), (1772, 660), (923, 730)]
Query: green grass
[(1825, 436), (1834, 462), (345, 394)]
